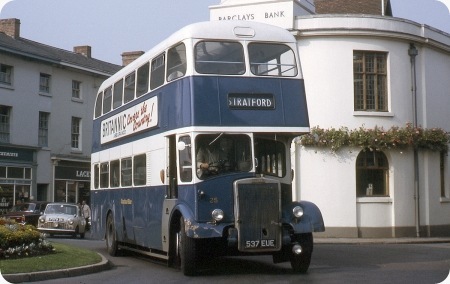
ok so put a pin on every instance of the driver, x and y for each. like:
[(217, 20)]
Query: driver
[(209, 158)]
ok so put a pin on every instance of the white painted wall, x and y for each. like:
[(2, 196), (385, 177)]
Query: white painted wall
[(326, 44), (326, 48)]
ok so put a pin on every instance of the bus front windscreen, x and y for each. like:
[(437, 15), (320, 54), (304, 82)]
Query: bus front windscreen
[(219, 154)]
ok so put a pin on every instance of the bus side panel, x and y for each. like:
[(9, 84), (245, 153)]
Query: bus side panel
[(137, 215), (123, 198), (148, 208), (101, 205), (104, 202), (98, 204), (174, 110)]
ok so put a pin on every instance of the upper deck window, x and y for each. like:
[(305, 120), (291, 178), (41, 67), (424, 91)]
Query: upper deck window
[(98, 105), (157, 73), (107, 100), (271, 59), (176, 62), (128, 94), (118, 94), (219, 57), (142, 80)]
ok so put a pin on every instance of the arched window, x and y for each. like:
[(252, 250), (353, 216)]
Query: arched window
[(372, 174)]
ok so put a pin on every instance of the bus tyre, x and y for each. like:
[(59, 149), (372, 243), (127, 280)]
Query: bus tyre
[(187, 250), (300, 262), (111, 242)]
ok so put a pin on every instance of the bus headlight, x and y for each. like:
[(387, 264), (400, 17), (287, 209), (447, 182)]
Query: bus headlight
[(217, 215), (297, 211)]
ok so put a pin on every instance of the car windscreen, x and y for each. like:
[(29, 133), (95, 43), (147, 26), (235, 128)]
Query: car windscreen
[(61, 209)]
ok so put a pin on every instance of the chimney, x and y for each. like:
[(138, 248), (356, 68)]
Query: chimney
[(11, 27), (130, 56), (83, 50)]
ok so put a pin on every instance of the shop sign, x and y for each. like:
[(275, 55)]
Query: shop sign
[(16, 154), (72, 173)]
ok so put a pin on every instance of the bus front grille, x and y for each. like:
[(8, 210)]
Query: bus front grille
[(258, 213)]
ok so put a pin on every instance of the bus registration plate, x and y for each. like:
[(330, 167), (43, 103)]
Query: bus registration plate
[(260, 244)]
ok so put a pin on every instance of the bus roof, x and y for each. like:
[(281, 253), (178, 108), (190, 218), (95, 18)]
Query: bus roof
[(227, 30)]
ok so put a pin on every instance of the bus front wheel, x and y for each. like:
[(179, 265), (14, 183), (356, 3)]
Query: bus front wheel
[(300, 263), (186, 249), (111, 241)]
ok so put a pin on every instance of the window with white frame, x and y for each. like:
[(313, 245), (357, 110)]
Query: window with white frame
[(43, 128), (5, 113), (128, 94), (44, 83), (6, 73), (126, 172), (372, 174), (76, 89), (370, 81), (76, 133), (114, 173)]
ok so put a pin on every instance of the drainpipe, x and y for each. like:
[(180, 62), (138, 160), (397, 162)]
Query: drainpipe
[(413, 52)]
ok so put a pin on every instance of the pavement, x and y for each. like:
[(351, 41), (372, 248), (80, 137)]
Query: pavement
[(104, 264), (380, 240)]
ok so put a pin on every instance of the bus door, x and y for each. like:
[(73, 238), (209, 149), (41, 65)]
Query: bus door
[(169, 178), (171, 169)]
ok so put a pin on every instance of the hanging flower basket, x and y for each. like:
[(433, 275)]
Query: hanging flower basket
[(434, 139)]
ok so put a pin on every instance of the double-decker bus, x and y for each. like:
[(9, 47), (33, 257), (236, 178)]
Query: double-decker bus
[(191, 149)]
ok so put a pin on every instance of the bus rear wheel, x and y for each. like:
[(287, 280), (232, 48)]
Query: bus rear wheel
[(186, 251), (111, 240)]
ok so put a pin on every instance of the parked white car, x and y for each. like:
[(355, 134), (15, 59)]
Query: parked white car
[(62, 219)]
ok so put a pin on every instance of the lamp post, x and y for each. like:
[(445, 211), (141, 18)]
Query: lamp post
[(413, 52)]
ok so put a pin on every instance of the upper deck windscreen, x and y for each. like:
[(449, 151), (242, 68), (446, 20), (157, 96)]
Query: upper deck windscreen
[(270, 59), (227, 58)]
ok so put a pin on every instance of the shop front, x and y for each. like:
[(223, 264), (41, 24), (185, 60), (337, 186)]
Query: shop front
[(72, 182), (16, 176)]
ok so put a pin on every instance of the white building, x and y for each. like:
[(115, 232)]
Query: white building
[(363, 69), (47, 99)]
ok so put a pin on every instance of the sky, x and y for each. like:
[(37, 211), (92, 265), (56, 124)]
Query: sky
[(112, 27)]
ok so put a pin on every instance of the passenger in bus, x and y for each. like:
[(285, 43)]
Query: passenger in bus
[(215, 158)]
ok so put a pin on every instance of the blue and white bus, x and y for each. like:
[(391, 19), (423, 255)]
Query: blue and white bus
[(207, 84)]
